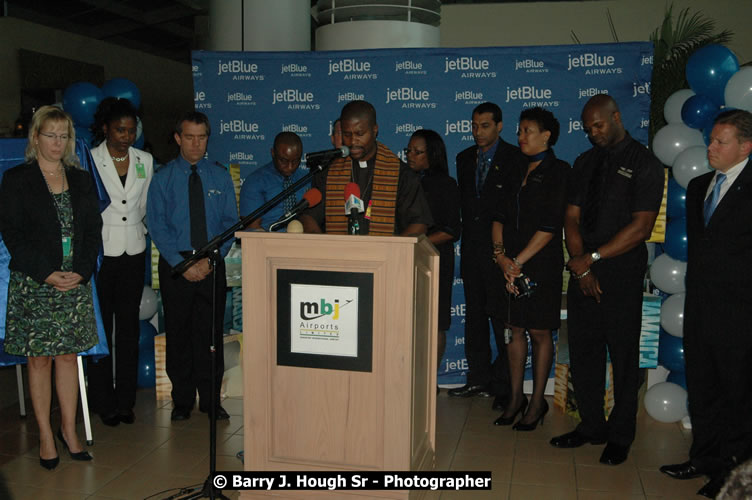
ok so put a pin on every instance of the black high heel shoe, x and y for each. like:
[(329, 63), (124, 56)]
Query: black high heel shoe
[(519, 426), (508, 420), (49, 463), (81, 456)]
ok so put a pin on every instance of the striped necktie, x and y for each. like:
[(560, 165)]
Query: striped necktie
[(711, 202)]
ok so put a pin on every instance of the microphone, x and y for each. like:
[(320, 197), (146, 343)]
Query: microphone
[(311, 198), (353, 206), (328, 155)]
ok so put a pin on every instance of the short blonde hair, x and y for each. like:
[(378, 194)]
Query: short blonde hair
[(55, 114)]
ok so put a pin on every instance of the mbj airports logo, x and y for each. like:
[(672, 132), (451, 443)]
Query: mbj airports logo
[(295, 99), (464, 127), (241, 129), (352, 69), (410, 68), (469, 67), (295, 70), (410, 98), (240, 99), (530, 66), (239, 69), (199, 100), (532, 96), (594, 64), (324, 319), (468, 97)]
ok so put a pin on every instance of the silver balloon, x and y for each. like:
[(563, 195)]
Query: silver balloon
[(668, 274), (738, 93), (674, 138), (666, 402), (148, 307), (673, 106), (690, 163), (672, 315)]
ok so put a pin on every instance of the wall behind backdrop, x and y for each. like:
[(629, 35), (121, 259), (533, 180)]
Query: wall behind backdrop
[(251, 96)]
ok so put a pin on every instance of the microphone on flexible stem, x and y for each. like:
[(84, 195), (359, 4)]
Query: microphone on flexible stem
[(328, 155), (353, 206), (311, 198)]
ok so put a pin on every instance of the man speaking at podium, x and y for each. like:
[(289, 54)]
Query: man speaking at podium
[(392, 199)]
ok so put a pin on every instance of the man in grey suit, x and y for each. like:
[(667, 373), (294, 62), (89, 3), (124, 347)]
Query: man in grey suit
[(718, 307)]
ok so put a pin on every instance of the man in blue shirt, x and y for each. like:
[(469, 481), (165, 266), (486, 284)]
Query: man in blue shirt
[(187, 299), (266, 182)]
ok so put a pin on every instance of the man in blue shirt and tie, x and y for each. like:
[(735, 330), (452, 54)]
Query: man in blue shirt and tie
[(190, 201), (266, 182)]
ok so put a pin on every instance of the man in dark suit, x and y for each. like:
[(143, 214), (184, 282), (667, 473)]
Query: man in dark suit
[(481, 173), (718, 307)]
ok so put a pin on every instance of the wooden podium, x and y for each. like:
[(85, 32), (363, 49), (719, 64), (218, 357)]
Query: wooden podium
[(371, 409)]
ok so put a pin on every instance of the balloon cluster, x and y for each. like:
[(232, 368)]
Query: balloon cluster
[(717, 84), (80, 100)]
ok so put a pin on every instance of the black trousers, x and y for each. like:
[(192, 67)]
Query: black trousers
[(476, 274), (718, 357), (188, 324), (120, 284), (615, 324)]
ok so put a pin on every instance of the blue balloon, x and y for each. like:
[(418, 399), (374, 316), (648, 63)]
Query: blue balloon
[(678, 377), (697, 110), (124, 89), (708, 70), (676, 200), (147, 376), (139, 144), (84, 134), (671, 352), (676, 239), (80, 100)]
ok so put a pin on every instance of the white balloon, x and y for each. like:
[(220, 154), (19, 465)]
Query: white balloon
[(690, 163), (148, 307), (139, 128), (738, 92), (674, 138), (668, 274), (672, 315), (666, 402), (673, 106)]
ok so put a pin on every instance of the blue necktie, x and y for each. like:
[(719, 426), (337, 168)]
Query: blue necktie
[(712, 201), (482, 171), (289, 202)]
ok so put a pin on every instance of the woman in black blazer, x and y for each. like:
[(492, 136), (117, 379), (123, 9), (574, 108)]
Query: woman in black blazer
[(50, 222)]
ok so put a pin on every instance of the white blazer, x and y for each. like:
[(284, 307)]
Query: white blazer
[(124, 229)]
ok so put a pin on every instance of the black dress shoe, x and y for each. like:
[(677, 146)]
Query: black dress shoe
[(180, 414), (467, 391), (502, 420), (221, 413), (713, 487), (49, 463), (127, 417), (110, 419), (683, 470), (574, 439), (500, 402), (614, 454), (81, 456)]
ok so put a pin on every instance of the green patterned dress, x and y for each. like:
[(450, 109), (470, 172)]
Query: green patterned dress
[(42, 321)]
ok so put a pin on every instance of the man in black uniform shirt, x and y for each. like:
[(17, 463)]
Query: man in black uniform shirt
[(614, 196), (481, 173), (390, 190)]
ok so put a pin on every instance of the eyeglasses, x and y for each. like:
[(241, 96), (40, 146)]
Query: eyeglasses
[(54, 137), (408, 151)]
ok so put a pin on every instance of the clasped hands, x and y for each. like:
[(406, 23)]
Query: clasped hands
[(588, 282), (511, 270), (64, 281), (198, 271)]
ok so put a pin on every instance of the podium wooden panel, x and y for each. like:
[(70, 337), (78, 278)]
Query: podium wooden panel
[(314, 419)]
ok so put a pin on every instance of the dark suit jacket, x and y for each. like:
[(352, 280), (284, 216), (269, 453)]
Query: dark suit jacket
[(476, 212), (29, 225), (721, 253)]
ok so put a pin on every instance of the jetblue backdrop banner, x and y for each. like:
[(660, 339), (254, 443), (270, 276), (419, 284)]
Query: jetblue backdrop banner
[(251, 96)]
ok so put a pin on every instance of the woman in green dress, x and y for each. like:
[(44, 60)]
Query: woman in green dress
[(50, 222)]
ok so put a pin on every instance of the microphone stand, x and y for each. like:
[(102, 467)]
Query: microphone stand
[(211, 250)]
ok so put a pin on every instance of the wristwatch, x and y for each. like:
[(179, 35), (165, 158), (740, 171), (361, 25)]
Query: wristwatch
[(596, 256)]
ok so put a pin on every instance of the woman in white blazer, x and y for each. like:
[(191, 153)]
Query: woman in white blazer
[(126, 173)]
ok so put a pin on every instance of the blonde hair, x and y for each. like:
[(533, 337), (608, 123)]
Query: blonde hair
[(55, 114)]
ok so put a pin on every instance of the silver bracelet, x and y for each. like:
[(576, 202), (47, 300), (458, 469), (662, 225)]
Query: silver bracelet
[(580, 276)]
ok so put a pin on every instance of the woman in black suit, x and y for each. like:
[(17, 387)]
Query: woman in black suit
[(50, 222), (526, 234), (426, 154)]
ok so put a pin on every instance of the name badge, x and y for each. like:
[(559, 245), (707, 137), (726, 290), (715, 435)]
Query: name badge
[(626, 172), (66, 246), (140, 171)]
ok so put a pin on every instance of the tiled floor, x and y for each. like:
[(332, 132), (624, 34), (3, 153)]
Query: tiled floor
[(155, 454)]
